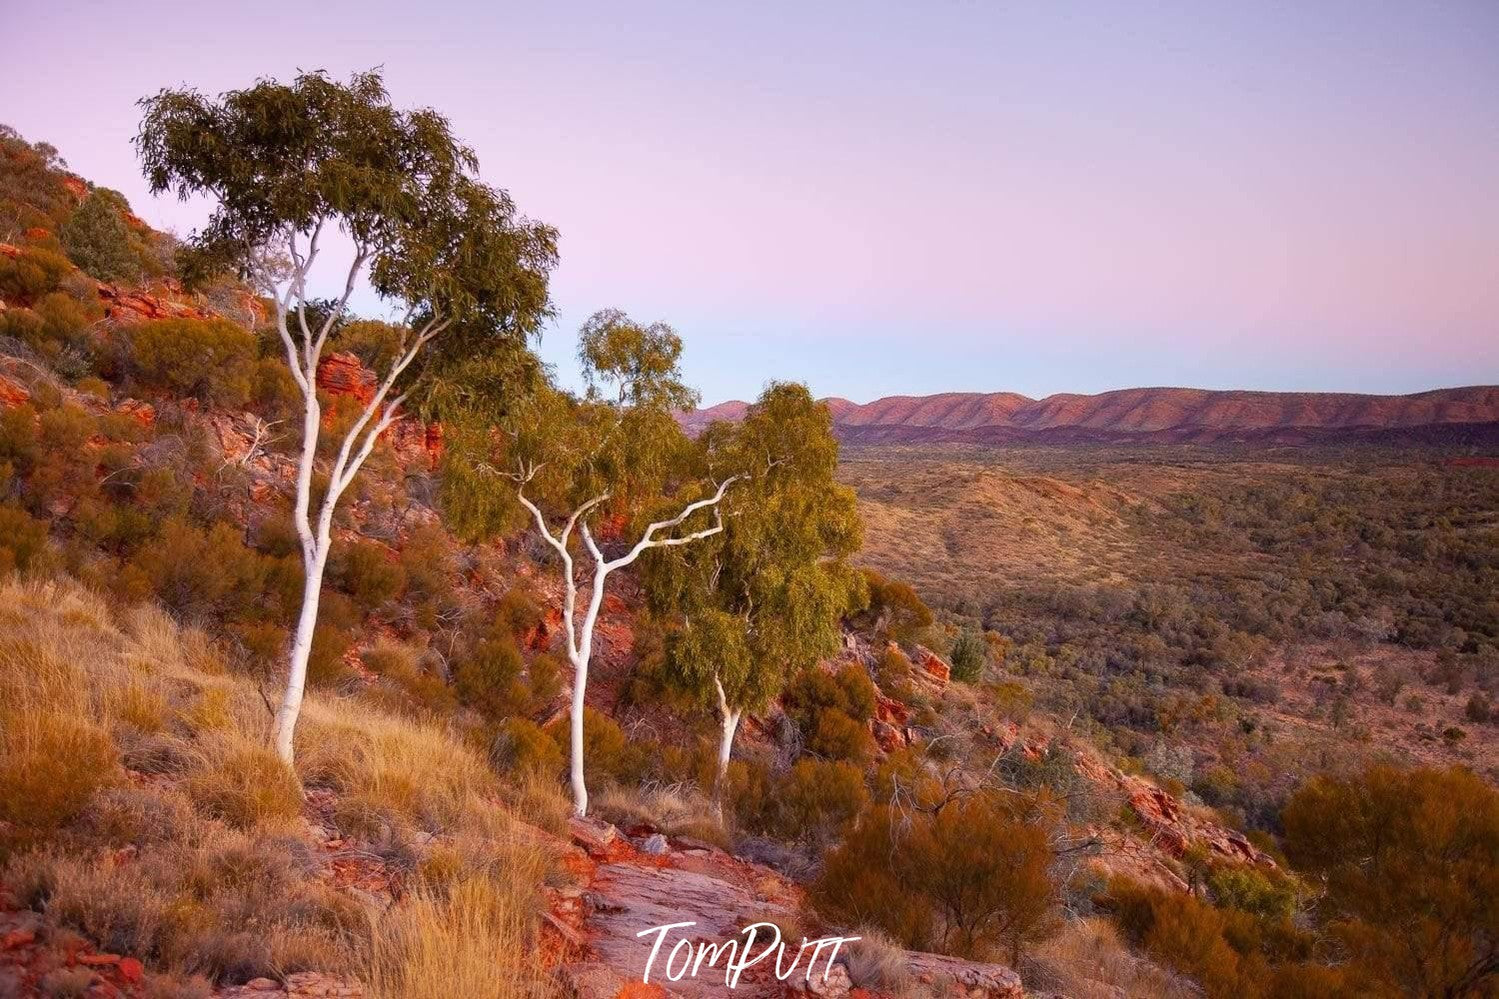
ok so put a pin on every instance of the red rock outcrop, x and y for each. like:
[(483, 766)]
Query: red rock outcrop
[(133, 305), (930, 667), (1172, 827), (625, 891), (12, 394), (342, 374)]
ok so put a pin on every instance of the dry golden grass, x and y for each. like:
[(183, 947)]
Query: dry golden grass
[(1088, 960), (225, 884), (877, 962), (674, 809), (472, 937)]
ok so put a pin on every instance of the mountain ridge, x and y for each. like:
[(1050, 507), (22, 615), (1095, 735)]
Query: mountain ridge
[(1466, 414)]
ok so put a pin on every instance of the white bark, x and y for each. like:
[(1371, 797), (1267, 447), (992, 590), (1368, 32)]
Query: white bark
[(304, 351), (729, 717), (580, 633)]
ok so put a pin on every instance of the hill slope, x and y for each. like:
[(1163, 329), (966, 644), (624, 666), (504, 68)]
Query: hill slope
[(1159, 415)]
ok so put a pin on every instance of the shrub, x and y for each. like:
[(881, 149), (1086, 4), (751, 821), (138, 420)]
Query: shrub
[(970, 656), (607, 753), (894, 609), (1182, 933), (54, 764), (814, 691), (32, 273), (273, 390), (369, 572), (200, 572), (99, 241), (893, 670), (836, 736), (517, 614), (212, 360), (325, 661), (23, 539), (489, 679), (818, 800), (971, 880), (1248, 889), (1409, 860), (524, 748)]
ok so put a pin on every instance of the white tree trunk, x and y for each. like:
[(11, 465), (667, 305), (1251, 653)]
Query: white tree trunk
[(580, 653), (301, 651), (304, 351), (730, 719), (580, 639)]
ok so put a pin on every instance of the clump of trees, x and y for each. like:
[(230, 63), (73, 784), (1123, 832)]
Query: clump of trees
[(603, 476)]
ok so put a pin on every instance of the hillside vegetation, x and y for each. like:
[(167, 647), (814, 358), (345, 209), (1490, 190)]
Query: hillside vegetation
[(1075, 770)]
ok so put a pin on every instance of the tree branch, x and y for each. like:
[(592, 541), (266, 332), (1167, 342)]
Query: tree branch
[(647, 540)]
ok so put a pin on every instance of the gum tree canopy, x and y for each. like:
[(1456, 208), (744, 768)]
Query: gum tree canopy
[(288, 164), (751, 607), (603, 476)]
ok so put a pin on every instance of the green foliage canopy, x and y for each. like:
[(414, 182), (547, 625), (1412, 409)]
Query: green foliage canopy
[(763, 600)]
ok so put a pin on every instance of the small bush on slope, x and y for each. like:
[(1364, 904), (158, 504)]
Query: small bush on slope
[(972, 879)]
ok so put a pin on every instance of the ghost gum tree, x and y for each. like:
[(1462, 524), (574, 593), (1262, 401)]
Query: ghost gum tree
[(751, 607), (287, 167), (603, 476)]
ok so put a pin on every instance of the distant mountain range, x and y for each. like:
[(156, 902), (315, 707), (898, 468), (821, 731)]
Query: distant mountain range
[(1159, 415)]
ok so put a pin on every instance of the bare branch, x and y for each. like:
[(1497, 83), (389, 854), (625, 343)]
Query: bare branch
[(647, 540)]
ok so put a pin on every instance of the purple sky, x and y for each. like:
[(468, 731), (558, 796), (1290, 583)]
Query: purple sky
[(882, 198)]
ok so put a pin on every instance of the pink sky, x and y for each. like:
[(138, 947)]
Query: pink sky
[(882, 198)]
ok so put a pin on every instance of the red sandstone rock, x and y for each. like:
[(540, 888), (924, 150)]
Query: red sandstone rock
[(132, 305), (12, 394), (887, 735), (888, 709), (930, 666), (342, 374)]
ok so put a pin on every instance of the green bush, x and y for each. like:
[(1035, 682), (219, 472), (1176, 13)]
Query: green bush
[(368, 571), (198, 572), (819, 799), (970, 656), (489, 680), (609, 756), (517, 614), (212, 360), (833, 710), (31, 274), (894, 609), (98, 240), (849, 690), (836, 736), (972, 879), (524, 748)]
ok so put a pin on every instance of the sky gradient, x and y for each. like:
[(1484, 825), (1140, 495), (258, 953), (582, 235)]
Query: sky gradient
[(904, 198)]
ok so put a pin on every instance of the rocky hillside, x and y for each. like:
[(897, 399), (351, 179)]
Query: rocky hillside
[(1159, 415)]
